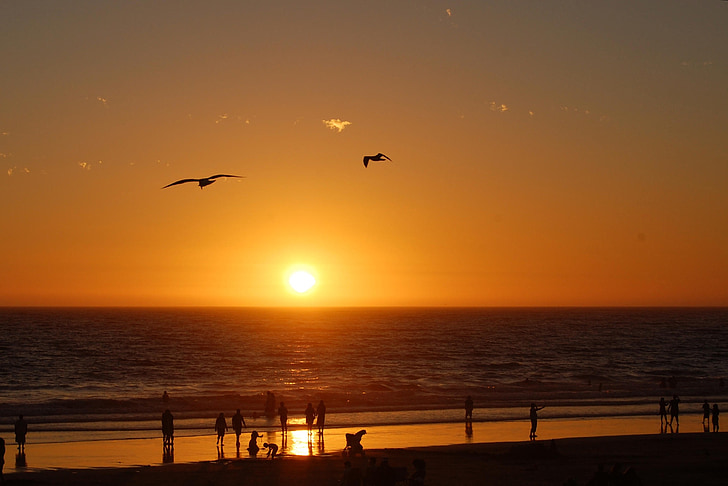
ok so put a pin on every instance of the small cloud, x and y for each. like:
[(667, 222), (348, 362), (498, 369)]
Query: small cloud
[(449, 12), (88, 165), (13, 170), (336, 124), (4, 156), (4, 133), (103, 101), (222, 118), (531, 113), (498, 107)]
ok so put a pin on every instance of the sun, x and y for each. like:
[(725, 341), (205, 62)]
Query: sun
[(301, 281)]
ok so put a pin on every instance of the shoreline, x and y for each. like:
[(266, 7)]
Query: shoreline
[(136, 452)]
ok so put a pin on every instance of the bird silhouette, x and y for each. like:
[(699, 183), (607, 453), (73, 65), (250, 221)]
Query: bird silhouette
[(206, 181), (380, 157)]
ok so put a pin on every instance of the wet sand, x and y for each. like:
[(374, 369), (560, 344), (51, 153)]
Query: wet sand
[(492, 453)]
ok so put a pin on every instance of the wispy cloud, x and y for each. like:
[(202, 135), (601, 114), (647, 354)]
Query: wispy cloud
[(89, 165), (336, 124), (14, 170), (103, 101)]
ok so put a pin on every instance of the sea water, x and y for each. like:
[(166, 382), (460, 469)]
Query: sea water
[(80, 373)]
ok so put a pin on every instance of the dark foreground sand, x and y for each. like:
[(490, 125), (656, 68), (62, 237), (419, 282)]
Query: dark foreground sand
[(675, 459)]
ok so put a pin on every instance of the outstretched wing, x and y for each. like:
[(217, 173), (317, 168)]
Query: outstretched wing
[(382, 155), (366, 160), (224, 175), (181, 181)]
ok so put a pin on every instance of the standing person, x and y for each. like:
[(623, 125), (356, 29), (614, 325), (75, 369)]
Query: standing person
[(716, 414), (238, 424), (469, 408), (675, 410), (320, 416), (663, 412), (220, 428), (2, 459), (310, 415), (283, 413), (21, 430), (168, 428), (706, 412), (534, 420)]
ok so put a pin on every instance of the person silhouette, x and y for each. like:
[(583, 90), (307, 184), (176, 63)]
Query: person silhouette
[(272, 450), (663, 412), (706, 412), (238, 424), (21, 430), (469, 408), (220, 428), (320, 416), (310, 415), (283, 414), (534, 420), (253, 443), (167, 428), (2, 459), (716, 415), (675, 411)]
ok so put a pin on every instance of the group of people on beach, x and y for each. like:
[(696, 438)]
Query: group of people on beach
[(673, 408)]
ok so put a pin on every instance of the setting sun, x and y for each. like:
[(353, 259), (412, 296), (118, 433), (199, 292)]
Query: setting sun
[(301, 281)]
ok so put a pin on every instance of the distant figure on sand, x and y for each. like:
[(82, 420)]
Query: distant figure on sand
[(320, 416), (706, 412), (663, 412), (238, 424), (2, 459), (283, 413), (716, 414), (469, 408), (272, 450), (534, 420), (165, 396), (310, 415), (675, 410), (253, 443), (220, 428), (21, 430), (167, 428)]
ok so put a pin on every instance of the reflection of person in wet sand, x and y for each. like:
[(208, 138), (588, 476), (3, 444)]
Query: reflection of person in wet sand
[(283, 413), (21, 430), (534, 420), (320, 416), (238, 424), (310, 415), (469, 408), (220, 428)]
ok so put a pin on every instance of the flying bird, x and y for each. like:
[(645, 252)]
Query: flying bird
[(206, 181), (380, 157)]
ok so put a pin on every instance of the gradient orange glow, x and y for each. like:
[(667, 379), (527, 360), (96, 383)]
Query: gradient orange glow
[(541, 154)]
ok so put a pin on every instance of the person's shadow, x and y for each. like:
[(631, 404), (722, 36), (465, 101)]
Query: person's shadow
[(167, 454)]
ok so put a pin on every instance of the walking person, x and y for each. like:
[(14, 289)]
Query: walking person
[(238, 424), (469, 409), (675, 411), (220, 427), (534, 420), (706, 412), (167, 428), (663, 413)]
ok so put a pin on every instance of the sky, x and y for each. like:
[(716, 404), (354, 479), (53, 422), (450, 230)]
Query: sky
[(543, 153)]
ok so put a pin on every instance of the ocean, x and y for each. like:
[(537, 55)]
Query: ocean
[(99, 373)]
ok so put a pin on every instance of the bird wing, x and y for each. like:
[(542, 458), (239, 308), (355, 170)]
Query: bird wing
[(224, 175), (366, 161), (382, 155), (181, 181)]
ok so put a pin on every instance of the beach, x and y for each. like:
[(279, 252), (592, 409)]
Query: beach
[(493, 452), (674, 459)]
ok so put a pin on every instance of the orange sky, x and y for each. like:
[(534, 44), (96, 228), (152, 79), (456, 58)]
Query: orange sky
[(544, 153)]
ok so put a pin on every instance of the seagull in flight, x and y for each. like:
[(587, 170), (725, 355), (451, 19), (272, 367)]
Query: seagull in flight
[(206, 181), (380, 157)]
